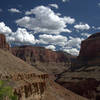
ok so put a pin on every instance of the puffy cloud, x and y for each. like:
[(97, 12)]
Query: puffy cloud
[(69, 20), (21, 36), (85, 34), (72, 45), (74, 42), (96, 28), (82, 26), (14, 10), (72, 51), (52, 47), (45, 21), (4, 29), (52, 39), (54, 5), (65, 0)]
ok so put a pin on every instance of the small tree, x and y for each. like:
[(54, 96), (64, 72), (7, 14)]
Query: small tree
[(6, 91)]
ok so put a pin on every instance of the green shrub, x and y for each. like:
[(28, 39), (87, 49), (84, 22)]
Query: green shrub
[(6, 91)]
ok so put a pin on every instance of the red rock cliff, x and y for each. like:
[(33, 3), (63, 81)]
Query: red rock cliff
[(38, 54), (43, 59), (90, 49), (3, 43)]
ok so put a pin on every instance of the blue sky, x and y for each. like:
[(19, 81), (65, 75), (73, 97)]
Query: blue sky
[(54, 24)]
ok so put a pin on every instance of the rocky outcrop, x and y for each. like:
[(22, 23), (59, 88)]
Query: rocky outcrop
[(3, 43), (90, 50), (27, 86), (43, 59)]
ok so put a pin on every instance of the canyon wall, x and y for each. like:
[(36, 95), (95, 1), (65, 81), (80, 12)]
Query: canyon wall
[(90, 50), (45, 60), (3, 43), (83, 77)]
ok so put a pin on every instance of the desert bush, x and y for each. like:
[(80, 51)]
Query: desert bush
[(6, 91)]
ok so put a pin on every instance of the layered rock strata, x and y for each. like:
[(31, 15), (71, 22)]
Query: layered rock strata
[(43, 59)]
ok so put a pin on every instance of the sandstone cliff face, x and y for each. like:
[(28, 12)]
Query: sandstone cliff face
[(43, 59), (3, 43), (38, 54)]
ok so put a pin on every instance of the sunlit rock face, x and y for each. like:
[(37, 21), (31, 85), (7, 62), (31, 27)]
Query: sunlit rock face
[(46, 60), (39, 54)]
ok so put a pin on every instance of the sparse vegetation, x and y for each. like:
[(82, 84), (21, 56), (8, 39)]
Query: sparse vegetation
[(6, 92)]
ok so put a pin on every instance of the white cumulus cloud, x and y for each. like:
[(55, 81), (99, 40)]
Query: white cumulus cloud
[(14, 10), (52, 47), (72, 51), (74, 42), (52, 39), (68, 20), (45, 21), (54, 5), (73, 45), (82, 26), (85, 34), (65, 0), (21, 36), (4, 29)]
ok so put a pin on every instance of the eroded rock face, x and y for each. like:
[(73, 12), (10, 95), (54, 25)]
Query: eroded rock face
[(38, 54), (90, 50), (27, 85), (43, 59), (3, 43)]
